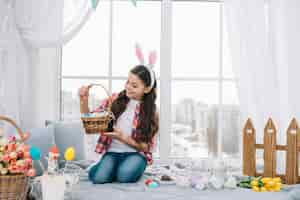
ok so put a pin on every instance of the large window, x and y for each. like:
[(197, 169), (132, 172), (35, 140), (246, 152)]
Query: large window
[(204, 106), (204, 101)]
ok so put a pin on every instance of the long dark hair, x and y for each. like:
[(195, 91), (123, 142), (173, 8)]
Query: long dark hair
[(145, 130)]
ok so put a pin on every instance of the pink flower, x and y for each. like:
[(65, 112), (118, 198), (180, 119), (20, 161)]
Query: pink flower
[(11, 147), (6, 158), (13, 155), (31, 172), (13, 162), (27, 154), (20, 154), (13, 169), (12, 138), (20, 162), (28, 161), (4, 171)]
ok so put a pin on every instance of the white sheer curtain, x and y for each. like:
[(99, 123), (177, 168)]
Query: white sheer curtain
[(264, 43), (14, 67), (51, 23), (25, 26)]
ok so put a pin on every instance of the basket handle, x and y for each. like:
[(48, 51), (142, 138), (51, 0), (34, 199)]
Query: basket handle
[(13, 123), (84, 101)]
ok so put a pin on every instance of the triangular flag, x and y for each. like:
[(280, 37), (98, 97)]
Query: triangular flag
[(94, 3), (134, 2)]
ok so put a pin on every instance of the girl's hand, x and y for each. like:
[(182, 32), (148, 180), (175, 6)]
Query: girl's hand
[(83, 91)]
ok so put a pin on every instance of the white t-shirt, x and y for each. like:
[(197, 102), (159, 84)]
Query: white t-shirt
[(124, 123)]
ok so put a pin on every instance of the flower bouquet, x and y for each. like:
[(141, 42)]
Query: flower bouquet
[(15, 164)]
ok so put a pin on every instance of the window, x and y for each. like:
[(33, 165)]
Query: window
[(204, 106), (205, 113), (90, 48)]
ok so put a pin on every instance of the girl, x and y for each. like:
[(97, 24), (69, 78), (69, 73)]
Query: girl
[(127, 149)]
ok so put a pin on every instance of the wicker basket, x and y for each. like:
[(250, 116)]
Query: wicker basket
[(95, 125), (13, 187)]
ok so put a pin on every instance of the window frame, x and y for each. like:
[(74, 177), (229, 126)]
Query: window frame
[(165, 75)]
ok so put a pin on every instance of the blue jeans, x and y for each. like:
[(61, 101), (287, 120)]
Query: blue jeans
[(119, 167)]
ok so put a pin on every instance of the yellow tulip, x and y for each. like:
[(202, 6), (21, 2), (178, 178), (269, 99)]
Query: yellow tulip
[(278, 184), (270, 184), (254, 183), (263, 189), (277, 189), (255, 189), (277, 180), (266, 179)]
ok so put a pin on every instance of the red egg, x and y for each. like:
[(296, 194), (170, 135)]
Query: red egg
[(148, 181)]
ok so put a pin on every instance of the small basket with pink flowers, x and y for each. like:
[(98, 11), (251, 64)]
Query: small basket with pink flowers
[(15, 164)]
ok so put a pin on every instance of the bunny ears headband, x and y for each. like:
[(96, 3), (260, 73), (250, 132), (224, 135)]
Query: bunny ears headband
[(149, 67)]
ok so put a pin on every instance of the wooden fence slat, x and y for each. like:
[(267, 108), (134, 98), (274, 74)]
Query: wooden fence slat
[(291, 154), (278, 147), (249, 152), (270, 149)]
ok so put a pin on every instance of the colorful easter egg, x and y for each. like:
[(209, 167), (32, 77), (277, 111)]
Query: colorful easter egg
[(35, 153), (70, 153)]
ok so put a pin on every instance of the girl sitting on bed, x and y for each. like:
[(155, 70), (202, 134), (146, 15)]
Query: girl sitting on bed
[(127, 149)]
